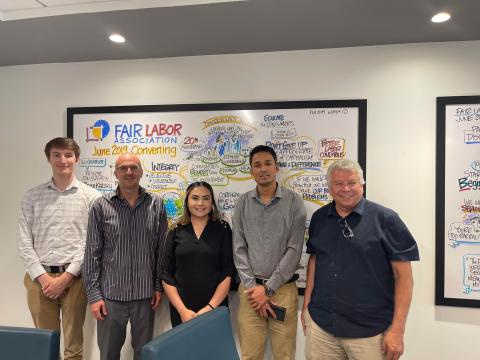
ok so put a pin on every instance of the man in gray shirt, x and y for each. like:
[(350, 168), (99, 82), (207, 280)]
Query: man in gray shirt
[(268, 235)]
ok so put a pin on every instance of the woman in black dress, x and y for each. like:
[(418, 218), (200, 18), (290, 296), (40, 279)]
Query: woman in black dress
[(197, 265)]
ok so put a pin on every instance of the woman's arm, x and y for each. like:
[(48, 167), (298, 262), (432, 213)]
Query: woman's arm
[(220, 294), (174, 298)]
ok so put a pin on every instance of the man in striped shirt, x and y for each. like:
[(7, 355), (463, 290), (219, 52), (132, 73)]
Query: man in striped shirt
[(126, 232), (52, 229)]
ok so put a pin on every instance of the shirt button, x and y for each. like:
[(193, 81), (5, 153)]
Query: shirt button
[(335, 275)]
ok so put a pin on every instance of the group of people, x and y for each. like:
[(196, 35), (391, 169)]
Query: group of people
[(115, 252)]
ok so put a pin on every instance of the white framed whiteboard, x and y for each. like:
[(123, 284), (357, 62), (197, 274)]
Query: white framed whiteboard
[(178, 144), (458, 201)]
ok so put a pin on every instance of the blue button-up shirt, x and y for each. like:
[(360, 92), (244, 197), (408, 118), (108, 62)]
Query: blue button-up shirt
[(353, 294)]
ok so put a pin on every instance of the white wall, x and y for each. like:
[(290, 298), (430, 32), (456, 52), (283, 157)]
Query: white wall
[(399, 81)]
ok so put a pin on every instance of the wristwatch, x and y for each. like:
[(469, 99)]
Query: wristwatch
[(268, 291)]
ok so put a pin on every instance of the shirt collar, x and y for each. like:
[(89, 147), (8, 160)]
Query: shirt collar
[(75, 184), (116, 193), (359, 209), (278, 193)]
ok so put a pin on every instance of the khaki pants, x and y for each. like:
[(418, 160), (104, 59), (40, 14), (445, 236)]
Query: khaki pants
[(320, 345), (253, 328), (46, 313)]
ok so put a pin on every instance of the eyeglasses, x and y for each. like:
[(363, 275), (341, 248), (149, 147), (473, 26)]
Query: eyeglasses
[(347, 231), (342, 184), (125, 168)]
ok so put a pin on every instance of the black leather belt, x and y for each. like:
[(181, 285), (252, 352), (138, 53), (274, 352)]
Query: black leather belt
[(261, 281), (56, 269)]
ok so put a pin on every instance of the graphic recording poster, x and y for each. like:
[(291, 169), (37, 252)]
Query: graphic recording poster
[(179, 144), (461, 228)]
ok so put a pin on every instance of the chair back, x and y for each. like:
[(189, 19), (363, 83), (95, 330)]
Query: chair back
[(206, 337), (28, 344)]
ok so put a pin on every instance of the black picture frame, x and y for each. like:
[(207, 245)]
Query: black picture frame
[(440, 206)]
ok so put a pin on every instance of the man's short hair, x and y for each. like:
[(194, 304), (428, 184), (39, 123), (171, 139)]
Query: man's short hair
[(62, 143), (262, 148), (345, 165)]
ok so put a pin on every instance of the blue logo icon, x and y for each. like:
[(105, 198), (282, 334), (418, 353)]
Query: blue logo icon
[(98, 131)]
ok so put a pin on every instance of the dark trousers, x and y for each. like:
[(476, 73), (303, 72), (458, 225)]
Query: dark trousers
[(111, 332)]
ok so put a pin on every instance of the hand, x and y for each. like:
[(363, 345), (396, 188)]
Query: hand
[(204, 310), (302, 318), (56, 286), (393, 345), (156, 299), (187, 314), (44, 280), (257, 297), (99, 310), (266, 309)]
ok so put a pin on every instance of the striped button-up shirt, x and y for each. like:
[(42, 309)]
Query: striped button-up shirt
[(124, 243), (53, 226)]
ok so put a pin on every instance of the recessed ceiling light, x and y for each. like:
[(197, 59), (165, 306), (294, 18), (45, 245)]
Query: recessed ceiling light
[(117, 38), (441, 17)]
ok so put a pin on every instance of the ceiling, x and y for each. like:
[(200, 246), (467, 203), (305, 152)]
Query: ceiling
[(47, 31)]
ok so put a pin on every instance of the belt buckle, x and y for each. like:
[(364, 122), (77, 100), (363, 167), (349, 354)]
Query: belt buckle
[(55, 269)]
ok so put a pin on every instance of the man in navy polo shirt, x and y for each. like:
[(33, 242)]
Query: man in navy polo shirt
[(359, 277)]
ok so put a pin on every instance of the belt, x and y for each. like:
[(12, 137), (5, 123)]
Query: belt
[(56, 269), (261, 281)]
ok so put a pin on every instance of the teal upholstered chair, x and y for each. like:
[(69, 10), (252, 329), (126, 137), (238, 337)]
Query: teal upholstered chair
[(17, 343), (205, 337)]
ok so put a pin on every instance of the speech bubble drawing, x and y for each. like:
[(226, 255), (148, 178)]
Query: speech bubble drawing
[(467, 232), (471, 273), (227, 200), (475, 165), (472, 136), (312, 187), (93, 162), (331, 148), (284, 133)]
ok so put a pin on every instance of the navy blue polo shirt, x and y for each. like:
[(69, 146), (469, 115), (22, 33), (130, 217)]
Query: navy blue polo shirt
[(353, 292)]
